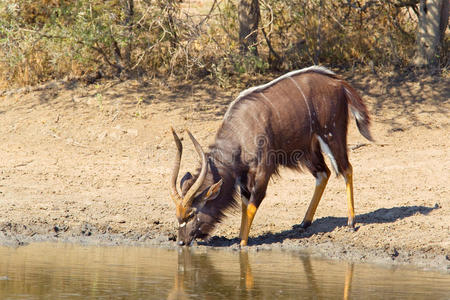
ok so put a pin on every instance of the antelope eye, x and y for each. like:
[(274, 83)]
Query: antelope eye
[(187, 219)]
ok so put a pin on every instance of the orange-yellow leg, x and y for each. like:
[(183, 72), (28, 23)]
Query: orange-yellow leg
[(243, 219), (247, 219), (246, 270), (249, 281), (348, 281), (321, 183), (348, 175)]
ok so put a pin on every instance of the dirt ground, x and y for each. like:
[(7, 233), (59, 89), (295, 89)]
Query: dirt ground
[(91, 164)]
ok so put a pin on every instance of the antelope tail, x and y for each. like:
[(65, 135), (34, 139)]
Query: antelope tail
[(359, 110)]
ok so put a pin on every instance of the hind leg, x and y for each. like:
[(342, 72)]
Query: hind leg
[(336, 149), (348, 176), (321, 173), (321, 183)]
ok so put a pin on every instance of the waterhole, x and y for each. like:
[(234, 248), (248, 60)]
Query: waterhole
[(65, 271)]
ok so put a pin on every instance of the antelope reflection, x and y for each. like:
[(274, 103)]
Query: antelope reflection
[(197, 274), (314, 284)]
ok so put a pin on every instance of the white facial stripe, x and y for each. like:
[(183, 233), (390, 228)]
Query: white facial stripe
[(183, 224), (327, 151)]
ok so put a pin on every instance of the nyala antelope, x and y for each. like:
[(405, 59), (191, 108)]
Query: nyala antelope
[(291, 121)]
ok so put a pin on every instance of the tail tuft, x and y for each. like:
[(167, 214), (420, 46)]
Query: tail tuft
[(359, 110)]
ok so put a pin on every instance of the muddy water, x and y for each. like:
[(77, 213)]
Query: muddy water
[(64, 271)]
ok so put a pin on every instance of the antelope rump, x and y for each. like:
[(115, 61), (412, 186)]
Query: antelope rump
[(290, 121)]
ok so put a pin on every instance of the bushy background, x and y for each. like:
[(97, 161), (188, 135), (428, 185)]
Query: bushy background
[(48, 39)]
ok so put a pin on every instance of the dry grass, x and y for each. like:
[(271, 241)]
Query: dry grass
[(47, 40)]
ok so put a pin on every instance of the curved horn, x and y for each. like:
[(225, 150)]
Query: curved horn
[(176, 168), (189, 197)]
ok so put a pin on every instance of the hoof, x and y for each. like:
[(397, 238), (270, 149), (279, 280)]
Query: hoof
[(352, 228), (351, 223), (305, 224)]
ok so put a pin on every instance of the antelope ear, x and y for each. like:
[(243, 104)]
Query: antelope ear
[(213, 191), (185, 178), (208, 194)]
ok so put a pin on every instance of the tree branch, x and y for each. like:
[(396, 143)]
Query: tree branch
[(406, 3)]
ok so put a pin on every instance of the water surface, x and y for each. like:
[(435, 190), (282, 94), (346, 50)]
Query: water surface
[(65, 271)]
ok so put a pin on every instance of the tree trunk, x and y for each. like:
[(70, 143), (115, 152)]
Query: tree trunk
[(433, 19), (248, 25), (128, 8)]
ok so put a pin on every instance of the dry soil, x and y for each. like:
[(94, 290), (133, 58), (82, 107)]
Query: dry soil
[(91, 164)]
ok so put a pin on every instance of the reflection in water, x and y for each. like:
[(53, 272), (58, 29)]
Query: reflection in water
[(348, 280), (246, 277), (197, 273), (55, 271), (276, 274), (313, 283)]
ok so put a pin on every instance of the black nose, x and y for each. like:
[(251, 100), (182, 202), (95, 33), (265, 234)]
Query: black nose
[(180, 243)]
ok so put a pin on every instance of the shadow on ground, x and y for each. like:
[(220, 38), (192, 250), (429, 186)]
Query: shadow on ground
[(400, 93), (392, 96), (328, 224)]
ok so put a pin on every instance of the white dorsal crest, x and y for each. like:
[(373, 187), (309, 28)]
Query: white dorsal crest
[(317, 69)]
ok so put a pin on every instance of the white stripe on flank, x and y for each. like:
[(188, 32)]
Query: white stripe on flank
[(327, 151), (306, 102), (317, 69), (273, 108)]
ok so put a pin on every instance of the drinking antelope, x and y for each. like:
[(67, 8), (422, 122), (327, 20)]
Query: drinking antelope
[(290, 121)]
